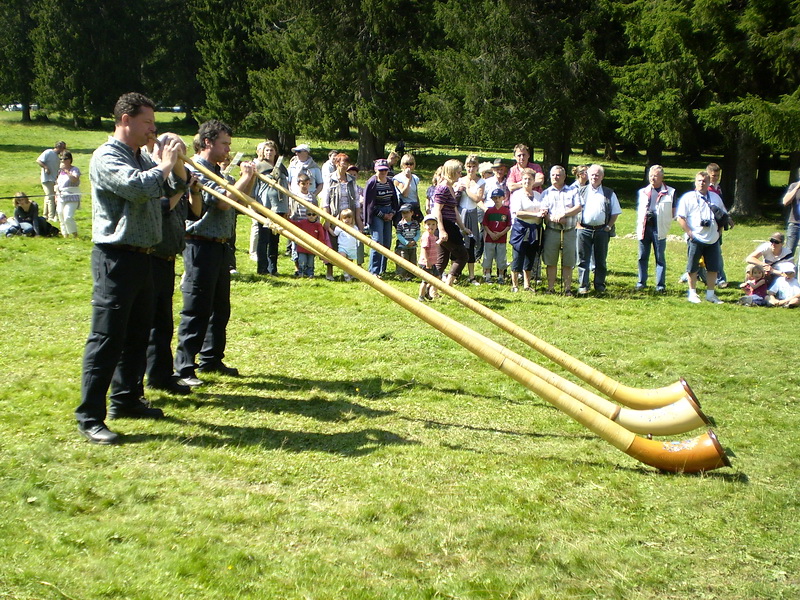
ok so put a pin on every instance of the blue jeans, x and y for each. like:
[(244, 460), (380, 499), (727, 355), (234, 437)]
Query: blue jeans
[(792, 237), (381, 232), (305, 264), (659, 247), (592, 241)]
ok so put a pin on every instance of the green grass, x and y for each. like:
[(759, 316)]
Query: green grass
[(363, 455)]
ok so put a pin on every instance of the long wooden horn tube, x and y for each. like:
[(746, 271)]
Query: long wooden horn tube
[(638, 398), (702, 453), (679, 417)]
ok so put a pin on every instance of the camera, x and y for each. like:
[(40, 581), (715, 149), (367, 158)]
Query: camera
[(705, 223)]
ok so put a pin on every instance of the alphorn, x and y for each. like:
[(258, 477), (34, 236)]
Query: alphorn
[(638, 398), (680, 416), (702, 453)]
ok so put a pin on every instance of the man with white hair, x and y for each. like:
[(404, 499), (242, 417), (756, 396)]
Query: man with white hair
[(655, 208), (599, 211)]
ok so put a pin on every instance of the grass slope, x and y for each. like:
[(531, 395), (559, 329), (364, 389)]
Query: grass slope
[(363, 455)]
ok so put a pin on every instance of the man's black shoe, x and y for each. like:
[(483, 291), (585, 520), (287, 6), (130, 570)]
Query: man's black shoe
[(137, 410), (98, 433), (190, 380), (172, 386), (220, 368)]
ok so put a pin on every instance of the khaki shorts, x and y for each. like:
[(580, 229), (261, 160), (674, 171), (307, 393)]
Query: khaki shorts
[(553, 245)]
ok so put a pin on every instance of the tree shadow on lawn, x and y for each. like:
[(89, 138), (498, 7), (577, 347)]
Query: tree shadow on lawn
[(346, 443)]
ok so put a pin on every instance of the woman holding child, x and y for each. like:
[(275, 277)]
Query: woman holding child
[(770, 253), (451, 227)]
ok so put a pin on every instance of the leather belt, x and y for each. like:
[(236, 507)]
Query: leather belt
[(593, 227), (170, 258), (129, 248), (202, 238)]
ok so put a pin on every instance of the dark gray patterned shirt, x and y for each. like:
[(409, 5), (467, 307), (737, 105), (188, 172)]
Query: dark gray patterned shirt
[(126, 190)]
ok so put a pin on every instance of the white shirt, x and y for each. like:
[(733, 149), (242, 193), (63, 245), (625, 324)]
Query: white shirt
[(693, 209)]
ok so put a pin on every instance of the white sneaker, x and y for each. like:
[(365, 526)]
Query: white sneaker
[(694, 298), (712, 297)]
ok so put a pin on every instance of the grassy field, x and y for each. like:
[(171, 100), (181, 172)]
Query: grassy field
[(363, 455)]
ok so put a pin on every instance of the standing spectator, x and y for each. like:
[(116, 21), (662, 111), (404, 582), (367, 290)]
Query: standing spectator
[(560, 237), (303, 163), (496, 225), (343, 193), (522, 156), (347, 244), (305, 257), (407, 184), (527, 212), (696, 218), (408, 233), (599, 211), (791, 199), (437, 177), (499, 179), (68, 195), (429, 255), (470, 191), (581, 175), (268, 241), (329, 166), (126, 224), (714, 176), (451, 227), (206, 285), (48, 161), (381, 204), (654, 213)]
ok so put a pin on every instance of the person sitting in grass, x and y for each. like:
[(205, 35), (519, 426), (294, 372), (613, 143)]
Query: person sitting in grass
[(755, 287), (785, 291)]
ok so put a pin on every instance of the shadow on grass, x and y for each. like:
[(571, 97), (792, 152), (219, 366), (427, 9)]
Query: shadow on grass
[(314, 405), (347, 443), (431, 424)]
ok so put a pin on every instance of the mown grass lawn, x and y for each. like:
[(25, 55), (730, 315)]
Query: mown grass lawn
[(363, 455)]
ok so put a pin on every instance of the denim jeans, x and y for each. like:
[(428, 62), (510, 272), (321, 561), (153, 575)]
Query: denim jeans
[(381, 232), (792, 237), (659, 246), (592, 241), (305, 264)]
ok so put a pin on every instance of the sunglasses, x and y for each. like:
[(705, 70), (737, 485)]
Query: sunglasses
[(774, 241)]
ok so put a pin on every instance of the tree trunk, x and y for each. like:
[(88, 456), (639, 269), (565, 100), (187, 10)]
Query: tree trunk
[(344, 127), (610, 152), (794, 166), (286, 141), (764, 162), (26, 113), (655, 156), (744, 198), (370, 147), (590, 149)]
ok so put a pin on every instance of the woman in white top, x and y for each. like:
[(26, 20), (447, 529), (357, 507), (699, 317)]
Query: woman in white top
[(527, 212), (471, 208), (68, 195)]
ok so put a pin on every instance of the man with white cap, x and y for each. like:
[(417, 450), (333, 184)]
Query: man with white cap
[(303, 163), (785, 290)]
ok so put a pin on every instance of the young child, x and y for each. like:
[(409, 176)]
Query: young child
[(496, 223), (298, 212), (408, 235), (348, 244), (305, 258), (785, 291), (427, 258), (755, 287)]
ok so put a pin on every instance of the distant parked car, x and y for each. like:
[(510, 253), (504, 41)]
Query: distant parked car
[(13, 107)]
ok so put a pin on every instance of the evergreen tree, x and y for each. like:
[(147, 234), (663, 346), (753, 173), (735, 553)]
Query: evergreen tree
[(16, 57)]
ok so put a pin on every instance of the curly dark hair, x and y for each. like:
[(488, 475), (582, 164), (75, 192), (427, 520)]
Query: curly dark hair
[(131, 104), (210, 131)]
